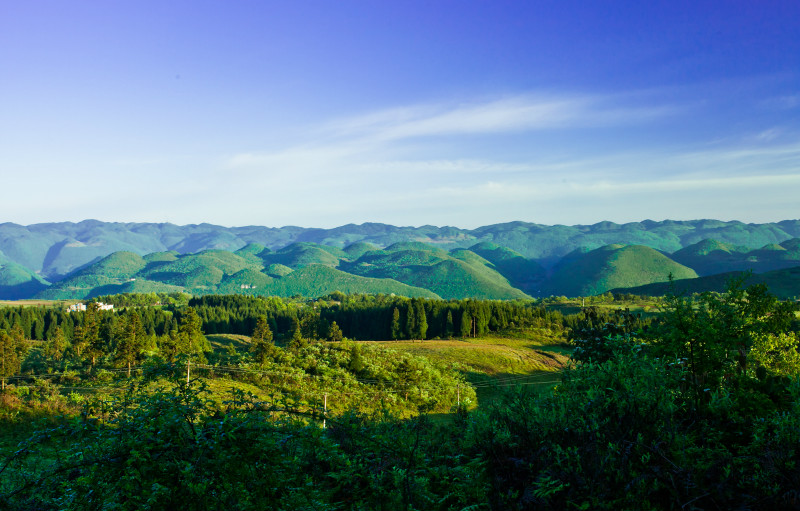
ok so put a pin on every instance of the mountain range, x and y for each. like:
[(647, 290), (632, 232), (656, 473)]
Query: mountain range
[(502, 261)]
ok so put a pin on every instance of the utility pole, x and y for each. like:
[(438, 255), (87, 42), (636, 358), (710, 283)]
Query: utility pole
[(324, 408)]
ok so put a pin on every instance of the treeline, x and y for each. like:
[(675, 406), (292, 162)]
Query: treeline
[(41, 323), (358, 317), (166, 327), (374, 317)]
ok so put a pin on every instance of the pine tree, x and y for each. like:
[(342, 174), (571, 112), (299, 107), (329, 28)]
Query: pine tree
[(12, 351), (335, 333), (55, 348), (410, 321), (421, 321), (91, 342), (262, 346), (466, 324), (448, 325), (191, 340), (397, 329), (132, 336)]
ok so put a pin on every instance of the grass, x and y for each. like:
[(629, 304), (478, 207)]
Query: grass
[(494, 364), (36, 303)]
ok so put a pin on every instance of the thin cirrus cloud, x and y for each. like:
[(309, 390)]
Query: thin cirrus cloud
[(509, 114), (371, 135), (394, 158)]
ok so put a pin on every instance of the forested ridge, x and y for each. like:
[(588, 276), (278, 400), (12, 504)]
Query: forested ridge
[(517, 260)]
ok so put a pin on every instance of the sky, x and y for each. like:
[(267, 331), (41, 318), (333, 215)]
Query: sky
[(463, 113)]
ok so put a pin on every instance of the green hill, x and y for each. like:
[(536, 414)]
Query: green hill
[(246, 281), (201, 272), (319, 280), (356, 250), (156, 257), (139, 285), (614, 266), (522, 273), (278, 270), (253, 252), (54, 250), (298, 255), (17, 282), (112, 270), (119, 265), (217, 271), (784, 283), (710, 257), (421, 265)]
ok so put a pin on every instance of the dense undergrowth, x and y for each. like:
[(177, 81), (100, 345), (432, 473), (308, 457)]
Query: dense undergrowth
[(701, 410)]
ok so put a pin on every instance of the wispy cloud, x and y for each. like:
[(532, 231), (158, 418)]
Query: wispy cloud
[(373, 140), (435, 160), (508, 114)]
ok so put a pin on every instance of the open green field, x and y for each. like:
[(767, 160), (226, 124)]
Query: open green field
[(494, 364)]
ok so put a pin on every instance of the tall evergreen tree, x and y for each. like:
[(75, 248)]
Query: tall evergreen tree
[(191, 340), (448, 325), (411, 320), (56, 347), (397, 329), (261, 341), (12, 350), (421, 321), (466, 324), (90, 339), (131, 340)]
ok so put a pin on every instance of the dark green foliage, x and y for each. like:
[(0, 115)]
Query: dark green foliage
[(622, 435), (88, 341), (12, 351), (701, 411), (176, 449), (714, 334), (262, 346), (599, 335), (334, 333), (131, 340), (191, 340)]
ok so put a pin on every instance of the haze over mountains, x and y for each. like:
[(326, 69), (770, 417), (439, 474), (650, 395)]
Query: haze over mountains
[(502, 261)]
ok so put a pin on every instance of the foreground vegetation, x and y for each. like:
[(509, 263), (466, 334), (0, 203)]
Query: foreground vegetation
[(699, 409)]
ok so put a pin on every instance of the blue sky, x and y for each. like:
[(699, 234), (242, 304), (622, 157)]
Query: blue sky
[(465, 113)]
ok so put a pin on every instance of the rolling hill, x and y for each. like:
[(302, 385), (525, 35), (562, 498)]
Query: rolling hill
[(784, 284), (54, 250), (710, 256), (18, 282), (614, 266), (502, 261), (216, 271), (458, 274)]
